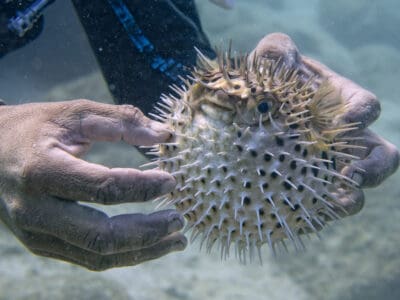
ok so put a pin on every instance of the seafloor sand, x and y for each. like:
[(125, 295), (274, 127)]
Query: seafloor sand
[(358, 258)]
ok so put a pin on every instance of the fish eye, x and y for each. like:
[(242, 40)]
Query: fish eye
[(263, 107)]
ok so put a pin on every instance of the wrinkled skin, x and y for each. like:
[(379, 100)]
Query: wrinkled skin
[(42, 178), (379, 158)]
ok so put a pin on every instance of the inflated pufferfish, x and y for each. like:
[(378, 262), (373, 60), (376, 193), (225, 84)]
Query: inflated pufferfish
[(256, 154)]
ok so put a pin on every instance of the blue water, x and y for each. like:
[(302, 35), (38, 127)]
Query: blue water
[(357, 258)]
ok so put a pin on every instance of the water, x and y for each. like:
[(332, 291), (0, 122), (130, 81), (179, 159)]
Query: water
[(358, 258)]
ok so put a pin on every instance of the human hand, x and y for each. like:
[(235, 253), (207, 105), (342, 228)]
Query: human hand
[(378, 157), (42, 178)]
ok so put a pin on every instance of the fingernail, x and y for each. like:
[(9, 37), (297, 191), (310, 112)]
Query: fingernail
[(175, 222), (168, 185)]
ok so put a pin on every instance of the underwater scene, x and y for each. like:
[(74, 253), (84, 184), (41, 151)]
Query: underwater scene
[(351, 258)]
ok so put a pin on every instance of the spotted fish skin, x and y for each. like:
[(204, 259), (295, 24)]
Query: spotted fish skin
[(256, 154)]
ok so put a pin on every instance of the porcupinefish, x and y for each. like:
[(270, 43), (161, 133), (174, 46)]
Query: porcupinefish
[(256, 153)]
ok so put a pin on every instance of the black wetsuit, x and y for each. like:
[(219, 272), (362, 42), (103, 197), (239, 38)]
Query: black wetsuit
[(142, 46)]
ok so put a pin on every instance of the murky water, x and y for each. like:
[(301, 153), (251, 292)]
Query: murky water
[(358, 257)]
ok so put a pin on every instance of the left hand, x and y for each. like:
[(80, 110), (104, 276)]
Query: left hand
[(43, 180)]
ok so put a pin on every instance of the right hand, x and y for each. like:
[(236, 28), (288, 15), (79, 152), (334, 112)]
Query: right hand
[(42, 179), (378, 157)]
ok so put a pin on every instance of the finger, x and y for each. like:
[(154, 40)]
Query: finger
[(68, 177), (106, 122), (381, 160), (174, 242), (351, 202), (92, 230), (277, 46), (52, 247), (362, 106)]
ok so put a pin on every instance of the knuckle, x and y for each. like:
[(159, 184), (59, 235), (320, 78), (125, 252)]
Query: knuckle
[(394, 155), (373, 107), (150, 237), (364, 107), (132, 114), (382, 162), (29, 172), (145, 188), (34, 174), (101, 240), (108, 191), (367, 110), (143, 192)]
